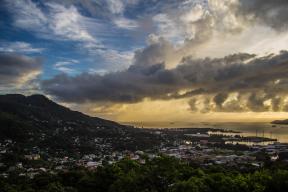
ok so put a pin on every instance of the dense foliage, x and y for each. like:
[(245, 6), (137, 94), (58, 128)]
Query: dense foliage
[(160, 174)]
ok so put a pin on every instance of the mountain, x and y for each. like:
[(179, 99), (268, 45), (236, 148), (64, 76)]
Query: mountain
[(280, 122), (37, 123), (39, 107)]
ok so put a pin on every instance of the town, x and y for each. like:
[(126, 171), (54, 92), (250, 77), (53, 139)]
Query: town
[(198, 146)]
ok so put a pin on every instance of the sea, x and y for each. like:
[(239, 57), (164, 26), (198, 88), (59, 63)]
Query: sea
[(260, 129)]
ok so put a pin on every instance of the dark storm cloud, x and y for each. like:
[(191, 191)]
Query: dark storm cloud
[(219, 99), (128, 86), (18, 69), (255, 102), (241, 73), (270, 12)]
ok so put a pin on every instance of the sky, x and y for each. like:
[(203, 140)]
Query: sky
[(150, 60)]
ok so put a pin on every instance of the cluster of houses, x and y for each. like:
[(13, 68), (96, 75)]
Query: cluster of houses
[(199, 152), (205, 156)]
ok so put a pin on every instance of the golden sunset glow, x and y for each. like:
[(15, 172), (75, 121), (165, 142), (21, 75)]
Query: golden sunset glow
[(172, 113)]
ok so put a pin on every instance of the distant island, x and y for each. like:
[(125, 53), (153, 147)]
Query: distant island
[(280, 122)]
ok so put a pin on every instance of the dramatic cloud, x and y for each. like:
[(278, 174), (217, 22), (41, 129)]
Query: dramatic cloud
[(217, 55), (270, 12), (16, 70), (242, 74), (216, 28), (158, 51)]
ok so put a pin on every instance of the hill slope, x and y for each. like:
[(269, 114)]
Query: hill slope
[(37, 123)]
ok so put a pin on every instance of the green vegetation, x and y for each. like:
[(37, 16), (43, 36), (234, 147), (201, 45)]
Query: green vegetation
[(157, 175)]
